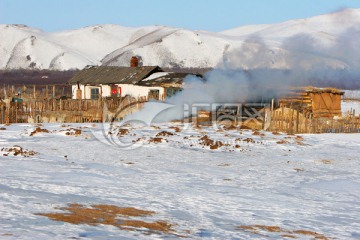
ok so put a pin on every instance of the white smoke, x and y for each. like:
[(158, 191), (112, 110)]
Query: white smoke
[(311, 63)]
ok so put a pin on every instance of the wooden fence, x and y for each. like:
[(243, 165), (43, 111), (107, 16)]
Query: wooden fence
[(38, 91), (58, 110), (292, 121)]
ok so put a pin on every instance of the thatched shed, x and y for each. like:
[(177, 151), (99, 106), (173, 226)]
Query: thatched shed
[(314, 102)]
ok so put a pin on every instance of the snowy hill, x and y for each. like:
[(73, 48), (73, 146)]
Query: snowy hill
[(328, 40)]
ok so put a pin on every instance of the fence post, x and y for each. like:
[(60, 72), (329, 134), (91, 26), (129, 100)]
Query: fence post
[(53, 91), (34, 91)]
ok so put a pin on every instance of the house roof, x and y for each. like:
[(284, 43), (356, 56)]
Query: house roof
[(311, 89), (169, 79), (110, 74)]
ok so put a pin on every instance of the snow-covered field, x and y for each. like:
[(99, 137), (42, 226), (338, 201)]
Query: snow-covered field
[(257, 185)]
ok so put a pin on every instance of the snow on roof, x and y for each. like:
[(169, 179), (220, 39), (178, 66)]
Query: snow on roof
[(156, 75)]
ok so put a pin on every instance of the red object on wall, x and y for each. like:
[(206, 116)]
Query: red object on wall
[(114, 90)]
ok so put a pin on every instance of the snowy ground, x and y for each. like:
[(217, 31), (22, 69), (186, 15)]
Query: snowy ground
[(307, 183)]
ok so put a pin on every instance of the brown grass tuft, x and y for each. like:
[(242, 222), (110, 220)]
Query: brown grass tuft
[(206, 141), (109, 215), (17, 150), (177, 129), (288, 236), (164, 134), (299, 138), (157, 140), (260, 229), (37, 130), (73, 132), (282, 142), (325, 161), (269, 228), (123, 131)]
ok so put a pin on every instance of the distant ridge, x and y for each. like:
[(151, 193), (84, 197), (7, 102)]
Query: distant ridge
[(305, 43)]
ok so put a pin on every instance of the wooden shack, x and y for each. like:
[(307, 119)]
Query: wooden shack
[(314, 102)]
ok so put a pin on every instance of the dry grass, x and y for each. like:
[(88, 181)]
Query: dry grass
[(38, 130), (177, 129), (73, 131), (325, 161), (255, 125), (18, 151), (282, 142), (164, 134), (263, 230), (256, 133), (157, 140), (206, 141), (249, 140), (110, 215), (7, 234), (299, 138), (224, 165), (123, 131)]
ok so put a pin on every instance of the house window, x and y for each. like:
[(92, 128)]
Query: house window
[(94, 93), (153, 94)]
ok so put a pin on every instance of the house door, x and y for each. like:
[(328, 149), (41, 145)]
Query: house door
[(153, 94)]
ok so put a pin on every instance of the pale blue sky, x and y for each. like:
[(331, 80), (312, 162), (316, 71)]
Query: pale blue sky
[(211, 15)]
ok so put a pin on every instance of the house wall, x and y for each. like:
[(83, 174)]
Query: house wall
[(139, 91), (126, 89)]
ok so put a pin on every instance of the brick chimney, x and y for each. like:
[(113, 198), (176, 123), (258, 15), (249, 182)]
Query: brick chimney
[(134, 62)]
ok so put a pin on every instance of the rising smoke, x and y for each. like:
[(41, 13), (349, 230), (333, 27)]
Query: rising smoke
[(256, 72)]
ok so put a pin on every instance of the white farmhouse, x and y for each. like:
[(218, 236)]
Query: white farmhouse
[(149, 82)]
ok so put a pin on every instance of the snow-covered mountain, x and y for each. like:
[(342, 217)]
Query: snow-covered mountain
[(329, 40)]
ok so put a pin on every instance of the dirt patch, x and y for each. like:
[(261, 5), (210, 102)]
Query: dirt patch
[(206, 141), (18, 151), (164, 134), (276, 133), (157, 140), (2, 128), (123, 131), (73, 132), (38, 130), (7, 234), (224, 165), (177, 129), (139, 139), (282, 142), (249, 140), (299, 138), (326, 161), (110, 215), (265, 230)]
